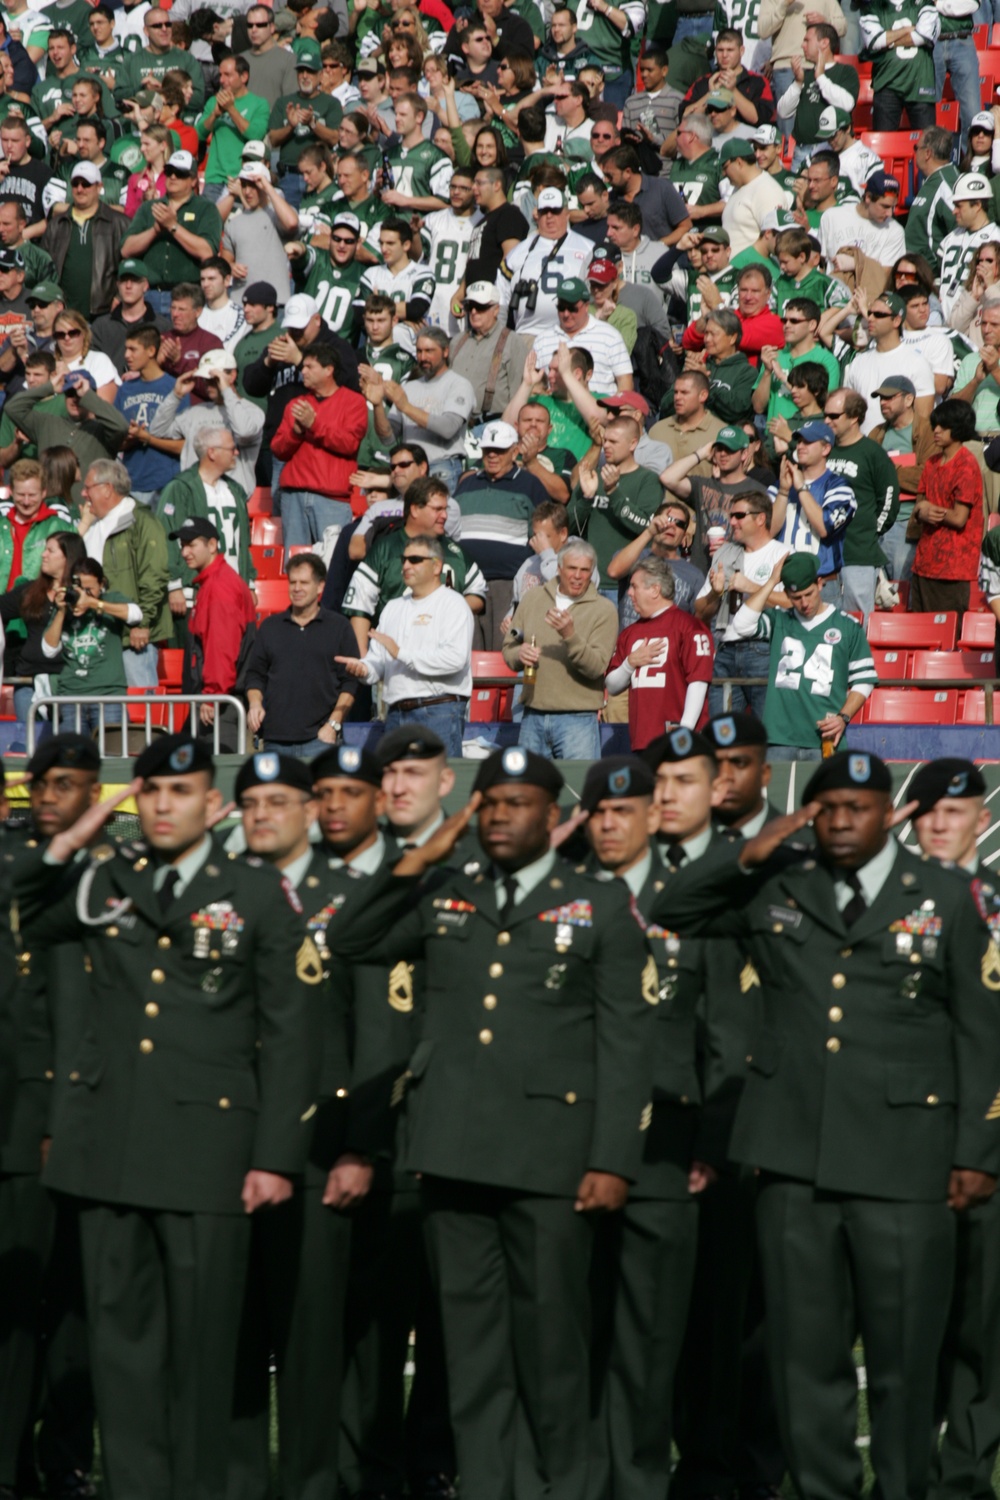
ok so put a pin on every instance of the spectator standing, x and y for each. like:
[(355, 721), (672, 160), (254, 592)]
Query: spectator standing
[(488, 355), (566, 631), (432, 410), (251, 236), (709, 479), (152, 461), (639, 255), (131, 311), (888, 355), (304, 118), (813, 506), (870, 226), (293, 680), (755, 195), (664, 660), (158, 56), (751, 92), (214, 379), (84, 641), (949, 507), (577, 326), (207, 491), (88, 425), (760, 328), (422, 650), (665, 537), (272, 66), (903, 436), (933, 342), (819, 82), (800, 320), (26, 523), (260, 306), (532, 273), (900, 39), (497, 233), (174, 235), (818, 678), (85, 242), (785, 24), (973, 208), (691, 424), (654, 111), (318, 441), (221, 628), (664, 212), (230, 119), (182, 349), (731, 376), (611, 506), (872, 478), (549, 534), (220, 314), (930, 215), (130, 544)]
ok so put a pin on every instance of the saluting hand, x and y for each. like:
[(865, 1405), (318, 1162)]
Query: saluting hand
[(758, 850), (439, 845), (89, 824)]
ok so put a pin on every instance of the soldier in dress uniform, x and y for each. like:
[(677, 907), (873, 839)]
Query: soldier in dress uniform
[(653, 1240), (528, 1091), (726, 1426), (870, 1109), (952, 815), (185, 1109), (44, 1368)]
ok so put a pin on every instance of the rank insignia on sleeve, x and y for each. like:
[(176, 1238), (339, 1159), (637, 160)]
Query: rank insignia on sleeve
[(651, 982), (749, 978), (646, 1118), (989, 969), (400, 994), (993, 1113), (308, 964)]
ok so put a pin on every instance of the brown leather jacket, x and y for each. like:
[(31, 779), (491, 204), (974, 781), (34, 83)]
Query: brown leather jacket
[(108, 230), (923, 448)]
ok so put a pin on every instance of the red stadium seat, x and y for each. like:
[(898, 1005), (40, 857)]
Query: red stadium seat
[(272, 596), (171, 669), (265, 531), (159, 713), (490, 705), (978, 631), (259, 503), (896, 150), (914, 632), (267, 561), (973, 709), (298, 549), (934, 666), (912, 706), (947, 114), (892, 663), (7, 703)]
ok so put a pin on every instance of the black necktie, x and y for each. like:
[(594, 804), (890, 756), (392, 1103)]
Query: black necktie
[(166, 892), (509, 883), (676, 854), (857, 906)]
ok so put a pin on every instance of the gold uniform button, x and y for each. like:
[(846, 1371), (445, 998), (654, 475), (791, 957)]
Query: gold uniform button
[(486, 1037), (49, 1074), (846, 952), (215, 955), (833, 1044), (496, 970), (146, 1046), (778, 927), (152, 1010), (157, 976), (933, 1099), (74, 1077), (571, 1097), (490, 1002), (914, 958), (111, 931), (163, 942), (503, 938), (562, 947), (442, 931), (838, 981), (835, 1013), (341, 1093), (223, 1103)]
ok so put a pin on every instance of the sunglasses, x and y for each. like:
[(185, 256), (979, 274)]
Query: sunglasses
[(833, 416), (343, 239), (738, 515), (161, 26), (175, 172), (258, 25), (786, 319), (69, 333), (402, 463), (415, 557), (874, 314), (568, 306)]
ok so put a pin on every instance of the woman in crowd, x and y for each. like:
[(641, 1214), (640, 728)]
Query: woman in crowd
[(61, 480), (73, 352), (913, 270), (149, 183), (84, 635), (27, 610)]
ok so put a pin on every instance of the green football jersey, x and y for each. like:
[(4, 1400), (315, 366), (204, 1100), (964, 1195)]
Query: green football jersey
[(906, 71), (421, 171), (391, 362), (698, 181), (337, 289), (814, 665)]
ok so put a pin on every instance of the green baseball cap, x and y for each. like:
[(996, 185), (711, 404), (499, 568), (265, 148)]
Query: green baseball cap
[(800, 570), (310, 59), (44, 291), (895, 304), (737, 150), (715, 235), (732, 438), (573, 290), (719, 99), (133, 267), (831, 120)]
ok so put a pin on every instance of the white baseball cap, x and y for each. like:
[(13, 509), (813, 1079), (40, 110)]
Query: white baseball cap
[(484, 293), (87, 171), (498, 435), (253, 151), (984, 121), (182, 161), (213, 361), (298, 310), (551, 198), (972, 185), (254, 171), (765, 135)]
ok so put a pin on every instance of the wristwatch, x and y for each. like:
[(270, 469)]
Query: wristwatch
[(841, 715), (336, 724)]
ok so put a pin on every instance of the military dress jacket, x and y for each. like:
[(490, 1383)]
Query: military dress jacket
[(874, 1067), (199, 1058), (10, 845), (534, 1064)]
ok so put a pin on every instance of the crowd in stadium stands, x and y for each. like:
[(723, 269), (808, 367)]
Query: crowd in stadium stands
[(625, 303)]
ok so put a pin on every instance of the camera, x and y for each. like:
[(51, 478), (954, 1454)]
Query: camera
[(74, 593), (526, 291)]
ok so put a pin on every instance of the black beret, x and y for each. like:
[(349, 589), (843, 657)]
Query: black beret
[(948, 777), (517, 764), (73, 752), (409, 742), (173, 755), (616, 776), (350, 761), (679, 744), (849, 771), (727, 731), (267, 766)]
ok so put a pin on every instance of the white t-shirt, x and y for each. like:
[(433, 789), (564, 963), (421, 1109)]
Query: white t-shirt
[(98, 365), (936, 347), (844, 226), (748, 206), (757, 567), (228, 323), (868, 371)]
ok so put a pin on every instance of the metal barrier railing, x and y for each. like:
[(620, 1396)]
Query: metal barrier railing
[(144, 702)]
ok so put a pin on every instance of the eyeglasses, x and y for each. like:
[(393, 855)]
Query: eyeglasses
[(258, 25), (161, 26), (563, 307), (402, 463), (874, 314), (834, 416), (415, 557), (601, 135)]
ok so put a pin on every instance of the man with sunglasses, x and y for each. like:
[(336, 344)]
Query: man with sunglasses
[(533, 273), (800, 320), (742, 565), (577, 326), (887, 355), (174, 235), (149, 63), (272, 67), (334, 280), (490, 357)]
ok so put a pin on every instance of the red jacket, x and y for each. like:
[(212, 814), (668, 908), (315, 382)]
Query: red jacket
[(223, 611), (324, 457), (766, 328)]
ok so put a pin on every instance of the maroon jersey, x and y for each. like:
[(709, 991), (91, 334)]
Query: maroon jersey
[(656, 693)]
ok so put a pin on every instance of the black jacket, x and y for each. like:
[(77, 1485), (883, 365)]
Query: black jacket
[(108, 229)]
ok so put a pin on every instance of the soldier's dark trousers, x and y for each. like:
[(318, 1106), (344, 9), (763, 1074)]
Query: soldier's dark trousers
[(26, 1223), (66, 1439), (164, 1293), (512, 1275), (969, 1394), (294, 1309), (836, 1268), (651, 1284), (389, 1293)]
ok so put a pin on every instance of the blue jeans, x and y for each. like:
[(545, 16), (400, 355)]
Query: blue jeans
[(213, 191), (446, 719), (988, 12), (449, 469), (304, 750), (159, 300), (958, 57), (292, 186), (571, 736), (858, 585), (90, 717), (277, 464), (794, 752), (740, 659), (305, 516), (141, 667), (618, 89), (899, 553), (693, 26), (782, 79)]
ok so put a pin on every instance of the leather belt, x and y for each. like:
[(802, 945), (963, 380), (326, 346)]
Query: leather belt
[(407, 705)]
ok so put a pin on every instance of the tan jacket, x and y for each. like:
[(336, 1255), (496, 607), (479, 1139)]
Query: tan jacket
[(923, 447), (570, 672), (786, 24)]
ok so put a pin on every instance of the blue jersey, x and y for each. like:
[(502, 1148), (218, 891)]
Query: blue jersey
[(838, 503), (138, 401)]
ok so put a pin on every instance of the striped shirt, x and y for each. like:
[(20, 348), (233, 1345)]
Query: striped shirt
[(605, 345), (496, 518)]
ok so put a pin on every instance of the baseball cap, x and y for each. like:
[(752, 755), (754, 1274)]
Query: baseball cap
[(262, 293), (134, 268), (732, 438), (193, 527), (777, 219), (880, 183), (368, 67), (309, 60), (254, 171), (85, 171), (970, 185), (45, 291), (573, 290), (181, 161), (800, 570), (765, 135), (298, 310), (815, 432), (719, 99), (498, 435), (625, 398), (895, 304), (551, 198), (736, 150), (254, 151), (76, 379), (11, 260), (716, 235), (830, 121), (603, 272), (983, 121), (144, 98), (895, 385), (348, 221), (214, 361), (483, 294)]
